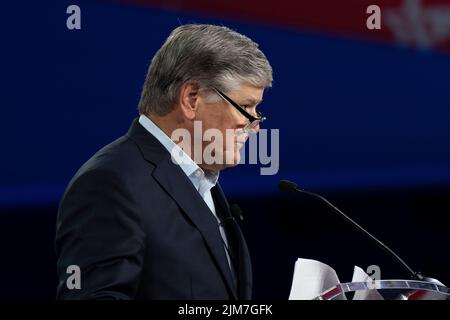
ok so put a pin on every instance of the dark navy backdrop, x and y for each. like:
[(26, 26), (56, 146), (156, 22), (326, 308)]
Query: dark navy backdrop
[(353, 116)]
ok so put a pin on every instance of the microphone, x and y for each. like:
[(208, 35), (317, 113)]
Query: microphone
[(289, 186), (236, 211)]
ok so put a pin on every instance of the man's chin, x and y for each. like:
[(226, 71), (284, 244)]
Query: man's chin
[(230, 165), (233, 160), (229, 160), (221, 166)]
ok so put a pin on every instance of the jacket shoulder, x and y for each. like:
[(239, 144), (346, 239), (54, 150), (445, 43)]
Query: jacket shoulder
[(120, 162)]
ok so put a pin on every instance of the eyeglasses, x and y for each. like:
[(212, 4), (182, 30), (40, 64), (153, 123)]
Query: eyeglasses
[(253, 122)]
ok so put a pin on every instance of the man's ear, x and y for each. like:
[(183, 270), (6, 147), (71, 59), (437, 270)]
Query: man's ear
[(189, 92)]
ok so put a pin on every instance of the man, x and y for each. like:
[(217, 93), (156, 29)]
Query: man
[(145, 217)]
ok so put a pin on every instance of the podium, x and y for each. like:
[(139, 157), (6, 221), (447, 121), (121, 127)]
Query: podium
[(390, 290)]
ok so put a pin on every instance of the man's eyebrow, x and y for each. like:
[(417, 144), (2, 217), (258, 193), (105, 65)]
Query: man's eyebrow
[(251, 101)]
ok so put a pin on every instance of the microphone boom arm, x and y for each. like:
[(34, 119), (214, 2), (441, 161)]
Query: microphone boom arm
[(286, 185)]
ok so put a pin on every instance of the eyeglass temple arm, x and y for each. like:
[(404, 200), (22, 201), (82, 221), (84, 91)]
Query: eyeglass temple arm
[(240, 109)]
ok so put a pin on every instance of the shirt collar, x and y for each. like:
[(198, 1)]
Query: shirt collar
[(202, 181)]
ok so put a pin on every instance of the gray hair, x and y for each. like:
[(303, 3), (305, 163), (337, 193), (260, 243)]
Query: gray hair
[(211, 55)]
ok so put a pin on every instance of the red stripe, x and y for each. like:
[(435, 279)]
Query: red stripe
[(429, 28)]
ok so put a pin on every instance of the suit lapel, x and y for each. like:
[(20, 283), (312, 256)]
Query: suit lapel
[(179, 187)]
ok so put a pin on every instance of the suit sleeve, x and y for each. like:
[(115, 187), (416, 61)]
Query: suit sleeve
[(99, 230)]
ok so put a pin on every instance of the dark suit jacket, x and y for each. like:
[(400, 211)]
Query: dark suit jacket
[(138, 229)]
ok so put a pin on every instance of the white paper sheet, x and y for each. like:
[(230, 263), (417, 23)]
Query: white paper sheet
[(359, 275), (311, 278)]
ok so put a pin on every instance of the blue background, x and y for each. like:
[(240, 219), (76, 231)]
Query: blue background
[(365, 123)]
